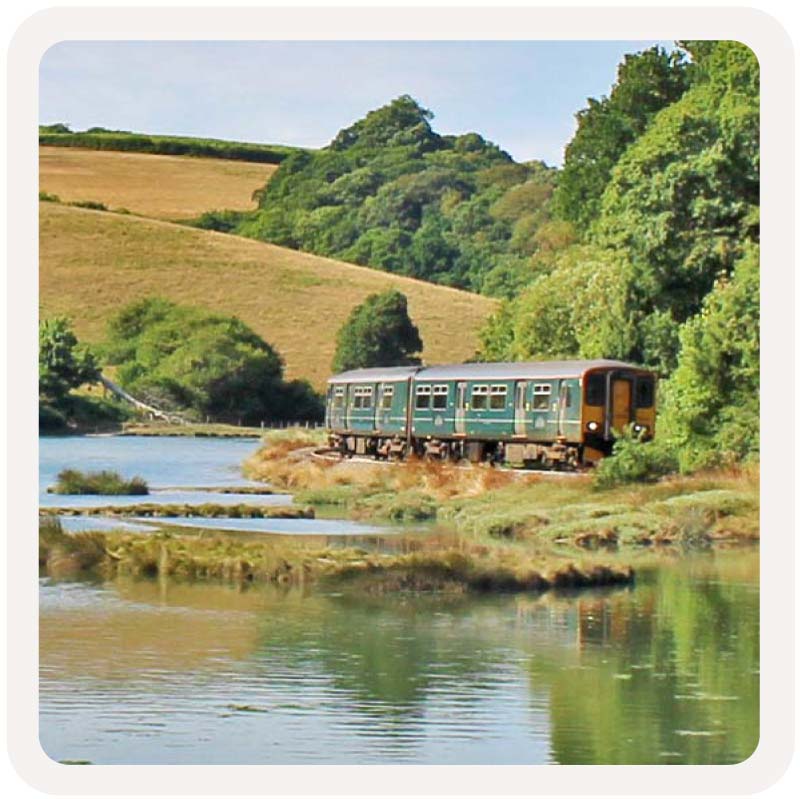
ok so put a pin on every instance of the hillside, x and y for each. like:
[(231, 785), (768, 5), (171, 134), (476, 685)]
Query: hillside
[(162, 186), (93, 262)]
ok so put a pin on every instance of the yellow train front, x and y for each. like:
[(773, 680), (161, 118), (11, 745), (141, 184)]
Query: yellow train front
[(551, 413)]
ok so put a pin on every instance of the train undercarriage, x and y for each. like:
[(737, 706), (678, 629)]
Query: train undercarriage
[(558, 454)]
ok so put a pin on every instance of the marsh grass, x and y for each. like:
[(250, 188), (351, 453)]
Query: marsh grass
[(444, 562), (73, 481), (206, 510)]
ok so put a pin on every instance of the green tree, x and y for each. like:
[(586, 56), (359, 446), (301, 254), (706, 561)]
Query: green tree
[(712, 400), (64, 364), (646, 83), (379, 332)]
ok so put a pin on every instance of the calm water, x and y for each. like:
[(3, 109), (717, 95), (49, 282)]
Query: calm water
[(164, 672), (172, 465)]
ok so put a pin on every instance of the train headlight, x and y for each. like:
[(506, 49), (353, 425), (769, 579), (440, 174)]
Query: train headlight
[(592, 427), (640, 428)]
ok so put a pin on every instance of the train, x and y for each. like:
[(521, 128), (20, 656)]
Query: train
[(551, 414)]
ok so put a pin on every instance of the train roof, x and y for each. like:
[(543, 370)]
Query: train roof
[(386, 374), (508, 370), (518, 369)]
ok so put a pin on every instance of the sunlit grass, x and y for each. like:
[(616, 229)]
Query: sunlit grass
[(160, 186), (294, 300)]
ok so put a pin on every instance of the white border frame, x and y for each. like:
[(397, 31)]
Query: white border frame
[(774, 50)]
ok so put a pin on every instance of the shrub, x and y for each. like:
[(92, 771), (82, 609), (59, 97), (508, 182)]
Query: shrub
[(635, 461), (187, 359), (73, 481), (46, 197), (92, 205)]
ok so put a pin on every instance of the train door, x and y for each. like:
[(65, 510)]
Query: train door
[(621, 395), (461, 408), (569, 412), (519, 408)]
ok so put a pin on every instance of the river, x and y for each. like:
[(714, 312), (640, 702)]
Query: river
[(162, 671)]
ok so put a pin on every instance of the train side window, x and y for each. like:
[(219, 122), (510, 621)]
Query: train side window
[(480, 396), (596, 389), (362, 397), (338, 397), (644, 392), (423, 399), (497, 398), (566, 396), (387, 397), (541, 396), (440, 397)]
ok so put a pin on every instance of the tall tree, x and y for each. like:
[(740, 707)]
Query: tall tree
[(379, 332)]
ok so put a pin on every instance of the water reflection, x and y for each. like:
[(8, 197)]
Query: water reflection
[(164, 672)]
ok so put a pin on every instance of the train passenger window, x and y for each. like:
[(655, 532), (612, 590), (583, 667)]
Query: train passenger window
[(387, 397), (440, 397), (596, 389), (497, 398), (362, 397), (338, 397), (541, 396), (480, 395), (423, 397), (644, 392)]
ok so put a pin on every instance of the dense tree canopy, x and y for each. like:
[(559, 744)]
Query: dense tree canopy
[(185, 358), (391, 193), (646, 83), (379, 332), (662, 196)]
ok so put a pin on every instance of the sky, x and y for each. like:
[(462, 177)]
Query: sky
[(523, 96)]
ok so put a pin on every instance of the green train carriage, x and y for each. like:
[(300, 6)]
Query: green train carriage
[(550, 412)]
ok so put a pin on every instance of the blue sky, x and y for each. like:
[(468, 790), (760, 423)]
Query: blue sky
[(521, 95)]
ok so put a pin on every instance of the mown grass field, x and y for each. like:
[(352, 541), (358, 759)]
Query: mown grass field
[(161, 186), (92, 263)]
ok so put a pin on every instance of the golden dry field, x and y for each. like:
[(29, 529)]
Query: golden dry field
[(161, 186), (94, 262)]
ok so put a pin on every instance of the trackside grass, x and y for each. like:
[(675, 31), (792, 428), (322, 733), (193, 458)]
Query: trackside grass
[(492, 504)]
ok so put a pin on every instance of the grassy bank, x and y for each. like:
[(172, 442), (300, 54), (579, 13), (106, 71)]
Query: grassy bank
[(192, 430), (430, 563), (491, 504)]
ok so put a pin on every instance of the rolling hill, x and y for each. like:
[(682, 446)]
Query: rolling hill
[(160, 186), (94, 262)]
